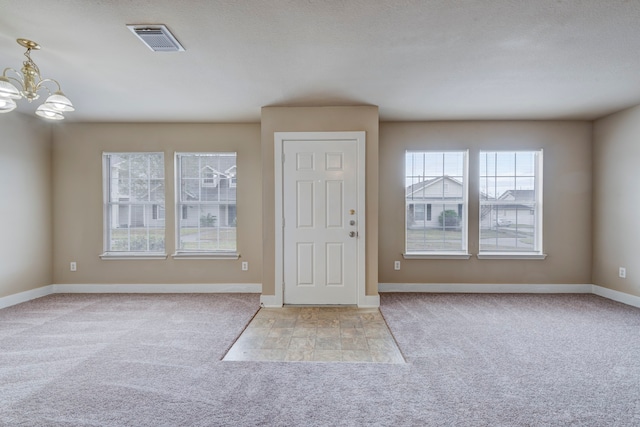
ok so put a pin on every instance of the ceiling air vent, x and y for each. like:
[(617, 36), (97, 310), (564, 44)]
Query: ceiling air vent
[(158, 38)]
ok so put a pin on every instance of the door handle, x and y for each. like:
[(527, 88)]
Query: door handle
[(353, 234)]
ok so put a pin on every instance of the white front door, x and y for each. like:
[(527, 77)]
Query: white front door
[(320, 235)]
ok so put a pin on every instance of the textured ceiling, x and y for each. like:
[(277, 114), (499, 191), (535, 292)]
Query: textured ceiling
[(416, 60)]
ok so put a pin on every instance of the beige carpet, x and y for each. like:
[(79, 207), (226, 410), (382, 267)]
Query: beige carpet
[(472, 360)]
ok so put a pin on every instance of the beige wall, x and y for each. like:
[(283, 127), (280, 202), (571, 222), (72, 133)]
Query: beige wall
[(616, 202), (25, 204), (77, 206), (567, 200), (70, 170), (319, 119)]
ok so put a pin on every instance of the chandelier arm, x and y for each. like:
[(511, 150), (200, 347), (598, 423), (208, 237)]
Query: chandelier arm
[(17, 80), (41, 85)]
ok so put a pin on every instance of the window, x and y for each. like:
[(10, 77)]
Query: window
[(206, 203), (511, 202), (436, 203), (133, 204), (157, 212)]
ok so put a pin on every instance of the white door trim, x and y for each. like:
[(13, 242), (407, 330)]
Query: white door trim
[(279, 139)]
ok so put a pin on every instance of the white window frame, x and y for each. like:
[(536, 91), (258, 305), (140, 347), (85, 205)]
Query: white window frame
[(538, 252), (109, 254), (463, 253), (180, 206)]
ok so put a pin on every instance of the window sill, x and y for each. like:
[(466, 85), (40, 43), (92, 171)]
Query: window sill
[(117, 256), (509, 255), (206, 255), (441, 255)]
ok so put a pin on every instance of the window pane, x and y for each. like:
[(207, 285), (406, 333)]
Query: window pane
[(136, 180), (525, 187), (454, 164), (207, 204), (505, 164), (509, 211), (503, 187), (488, 188), (140, 190), (525, 164), (507, 228), (435, 201), (189, 190), (156, 190), (436, 227)]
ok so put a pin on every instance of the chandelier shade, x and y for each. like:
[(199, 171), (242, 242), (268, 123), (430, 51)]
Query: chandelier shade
[(27, 82), (8, 90), (58, 101), (49, 113), (7, 104)]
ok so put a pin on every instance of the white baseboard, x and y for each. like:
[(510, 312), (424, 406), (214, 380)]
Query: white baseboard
[(616, 296), (485, 288), (195, 288), (188, 288), (25, 296), (369, 301), (270, 301)]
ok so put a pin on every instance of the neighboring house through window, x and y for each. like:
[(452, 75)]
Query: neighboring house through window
[(436, 202), (210, 177), (206, 201), (511, 202), (157, 212), (133, 204)]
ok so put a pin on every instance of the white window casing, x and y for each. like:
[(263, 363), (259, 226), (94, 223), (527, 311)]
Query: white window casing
[(133, 206), (436, 204), (205, 204), (511, 205)]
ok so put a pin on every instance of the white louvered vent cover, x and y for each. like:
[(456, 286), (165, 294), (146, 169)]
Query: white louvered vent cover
[(158, 38)]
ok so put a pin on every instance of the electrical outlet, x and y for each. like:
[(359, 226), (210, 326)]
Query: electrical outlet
[(73, 266), (245, 265), (622, 272), (396, 265)]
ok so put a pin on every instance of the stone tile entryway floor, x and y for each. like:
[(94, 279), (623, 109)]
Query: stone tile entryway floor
[(318, 334)]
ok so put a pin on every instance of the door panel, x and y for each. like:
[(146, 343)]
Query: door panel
[(319, 203)]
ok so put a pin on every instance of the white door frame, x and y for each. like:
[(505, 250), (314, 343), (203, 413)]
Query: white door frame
[(279, 139)]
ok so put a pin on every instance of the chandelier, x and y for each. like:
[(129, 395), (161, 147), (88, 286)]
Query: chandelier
[(27, 84)]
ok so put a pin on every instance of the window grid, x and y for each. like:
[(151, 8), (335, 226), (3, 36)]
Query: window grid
[(510, 201), (205, 202), (435, 202), (132, 195)]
